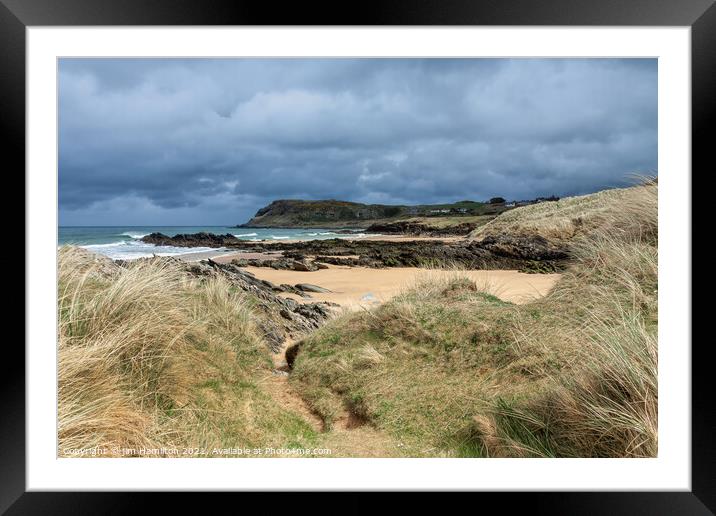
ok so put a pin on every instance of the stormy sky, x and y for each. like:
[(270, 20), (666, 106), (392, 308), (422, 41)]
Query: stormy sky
[(210, 141)]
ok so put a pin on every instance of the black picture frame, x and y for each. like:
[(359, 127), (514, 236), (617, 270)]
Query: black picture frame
[(700, 15)]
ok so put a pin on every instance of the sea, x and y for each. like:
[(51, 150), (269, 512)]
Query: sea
[(124, 242)]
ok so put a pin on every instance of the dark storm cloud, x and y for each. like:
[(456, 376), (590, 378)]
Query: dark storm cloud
[(147, 141)]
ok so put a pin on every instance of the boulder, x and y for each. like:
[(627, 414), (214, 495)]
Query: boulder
[(304, 266)]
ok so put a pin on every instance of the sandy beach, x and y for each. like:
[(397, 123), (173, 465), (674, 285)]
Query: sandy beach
[(356, 287), (359, 287)]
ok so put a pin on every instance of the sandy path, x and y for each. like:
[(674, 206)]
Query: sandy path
[(355, 287), (349, 436), (281, 391)]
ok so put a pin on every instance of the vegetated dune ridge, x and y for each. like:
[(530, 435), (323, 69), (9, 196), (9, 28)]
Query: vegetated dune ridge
[(155, 355), (155, 360), (448, 370), (561, 220)]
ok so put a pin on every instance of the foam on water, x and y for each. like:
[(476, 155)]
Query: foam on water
[(131, 250), (125, 242)]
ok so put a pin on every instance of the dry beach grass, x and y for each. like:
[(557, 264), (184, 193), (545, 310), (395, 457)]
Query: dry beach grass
[(152, 357), (452, 371), (149, 358)]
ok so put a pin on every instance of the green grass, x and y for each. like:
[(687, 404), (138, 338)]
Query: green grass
[(452, 371)]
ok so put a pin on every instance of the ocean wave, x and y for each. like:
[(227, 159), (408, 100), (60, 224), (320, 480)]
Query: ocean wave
[(134, 235), (246, 235), (327, 233), (132, 250), (360, 235), (279, 237), (101, 246)]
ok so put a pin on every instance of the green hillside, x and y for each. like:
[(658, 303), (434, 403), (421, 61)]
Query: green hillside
[(334, 213)]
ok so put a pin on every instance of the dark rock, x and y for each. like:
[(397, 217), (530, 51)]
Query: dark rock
[(500, 252), (191, 240), (407, 227), (304, 266), (279, 318), (307, 287)]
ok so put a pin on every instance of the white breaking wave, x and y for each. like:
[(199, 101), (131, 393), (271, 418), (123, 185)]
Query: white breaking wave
[(279, 237), (245, 235), (135, 235), (101, 246), (131, 250)]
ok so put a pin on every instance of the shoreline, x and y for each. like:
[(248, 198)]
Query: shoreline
[(236, 252), (193, 256)]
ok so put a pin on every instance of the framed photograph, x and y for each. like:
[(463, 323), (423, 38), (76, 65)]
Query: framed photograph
[(419, 248)]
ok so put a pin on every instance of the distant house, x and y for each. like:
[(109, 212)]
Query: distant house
[(510, 204)]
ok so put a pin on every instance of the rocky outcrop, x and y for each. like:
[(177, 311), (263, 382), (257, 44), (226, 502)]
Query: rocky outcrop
[(531, 253), (192, 240), (414, 228), (279, 318), (500, 252), (279, 264)]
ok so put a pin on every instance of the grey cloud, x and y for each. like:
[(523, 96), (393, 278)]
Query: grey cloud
[(211, 140)]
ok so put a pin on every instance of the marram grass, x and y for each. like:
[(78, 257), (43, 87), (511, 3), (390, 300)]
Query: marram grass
[(450, 370), (151, 359)]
